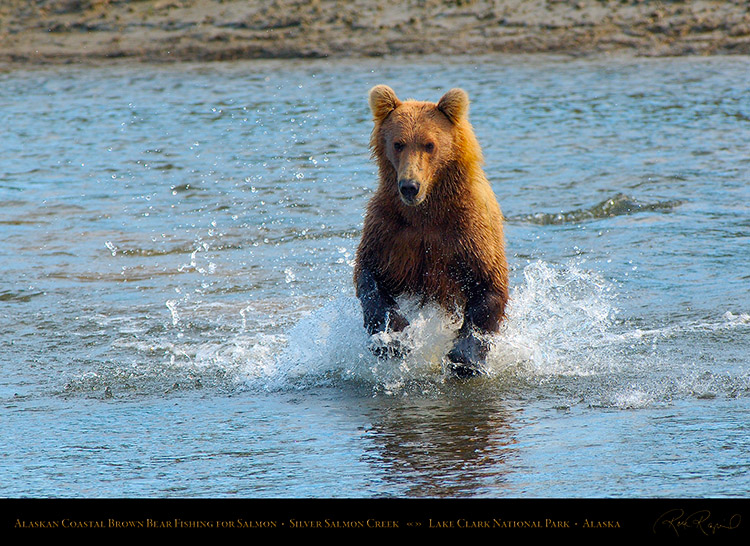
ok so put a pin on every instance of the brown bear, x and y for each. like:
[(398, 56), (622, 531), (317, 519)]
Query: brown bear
[(433, 227)]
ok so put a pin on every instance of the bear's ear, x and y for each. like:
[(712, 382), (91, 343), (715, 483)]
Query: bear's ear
[(454, 104), (382, 101)]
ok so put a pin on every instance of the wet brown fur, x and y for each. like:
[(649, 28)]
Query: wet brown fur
[(448, 248)]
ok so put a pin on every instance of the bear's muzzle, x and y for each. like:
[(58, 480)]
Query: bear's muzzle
[(409, 191)]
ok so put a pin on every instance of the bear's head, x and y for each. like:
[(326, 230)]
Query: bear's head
[(420, 144)]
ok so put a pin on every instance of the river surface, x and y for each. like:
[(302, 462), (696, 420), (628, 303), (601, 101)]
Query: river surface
[(177, 314)]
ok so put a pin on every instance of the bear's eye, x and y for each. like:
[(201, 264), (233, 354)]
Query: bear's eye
[(430, 147), (398, 146)]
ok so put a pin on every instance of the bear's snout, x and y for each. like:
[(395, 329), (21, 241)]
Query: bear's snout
[(409, 189)]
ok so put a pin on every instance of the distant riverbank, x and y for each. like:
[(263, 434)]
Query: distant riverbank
[(61, 31)]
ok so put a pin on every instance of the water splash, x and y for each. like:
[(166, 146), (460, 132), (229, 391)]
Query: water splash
[(556, 316), (562, 340), (331, 345)]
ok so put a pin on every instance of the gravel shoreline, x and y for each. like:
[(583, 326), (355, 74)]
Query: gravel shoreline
[(65, 31)]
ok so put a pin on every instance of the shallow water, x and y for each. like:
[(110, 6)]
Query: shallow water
[(177, 316)]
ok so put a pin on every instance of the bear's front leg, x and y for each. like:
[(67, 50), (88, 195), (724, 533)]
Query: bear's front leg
[(380, 312), (482, 316)]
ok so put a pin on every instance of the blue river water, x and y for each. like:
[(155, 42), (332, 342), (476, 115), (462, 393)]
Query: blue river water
[(177, 314)]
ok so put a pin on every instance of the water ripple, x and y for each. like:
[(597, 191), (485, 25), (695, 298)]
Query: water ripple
[(618, 205)]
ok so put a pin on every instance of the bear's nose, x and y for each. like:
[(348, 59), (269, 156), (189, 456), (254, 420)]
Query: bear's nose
[(408, 188)]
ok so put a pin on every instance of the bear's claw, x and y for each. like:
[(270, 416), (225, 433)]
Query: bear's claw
[(464, 371), (388, 349)]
